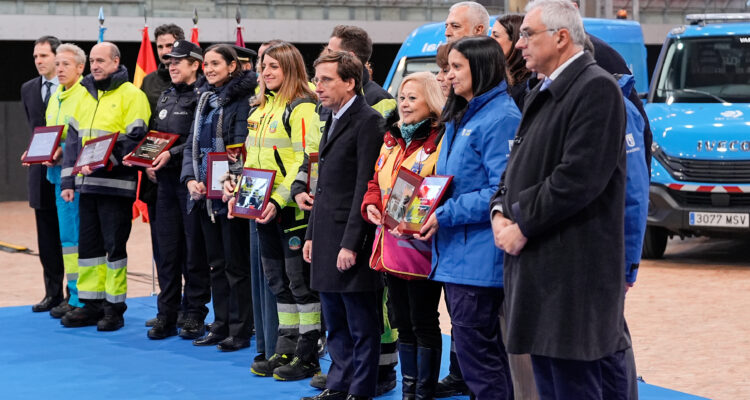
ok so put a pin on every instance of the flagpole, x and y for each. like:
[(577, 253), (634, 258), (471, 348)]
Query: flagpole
[(194, 36), (101, 25), (238, 17)]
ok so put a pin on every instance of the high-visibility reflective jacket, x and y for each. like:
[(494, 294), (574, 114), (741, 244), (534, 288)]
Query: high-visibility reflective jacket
[(278, 143), (111, 105), (62, 105)]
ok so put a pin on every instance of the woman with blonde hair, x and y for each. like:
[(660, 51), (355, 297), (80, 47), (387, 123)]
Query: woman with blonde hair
[(284, 114), (410, 143)]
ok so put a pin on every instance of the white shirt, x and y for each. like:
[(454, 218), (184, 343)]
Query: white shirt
[(341, 112), (564, 65), (55, 84)]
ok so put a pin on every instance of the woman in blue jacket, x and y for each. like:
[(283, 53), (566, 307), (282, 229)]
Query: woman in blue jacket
[(480, 122)]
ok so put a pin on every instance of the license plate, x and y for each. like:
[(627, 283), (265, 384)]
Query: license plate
[(724, 220)]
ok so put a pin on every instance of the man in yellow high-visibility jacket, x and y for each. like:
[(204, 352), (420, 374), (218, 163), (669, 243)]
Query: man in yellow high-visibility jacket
[(112, 104)]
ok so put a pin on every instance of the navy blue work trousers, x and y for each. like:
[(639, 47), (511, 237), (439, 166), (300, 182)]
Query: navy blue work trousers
[(479, 344), (561, 379)]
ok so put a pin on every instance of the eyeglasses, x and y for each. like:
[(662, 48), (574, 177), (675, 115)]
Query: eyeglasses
[(324, 81), (526, 35)]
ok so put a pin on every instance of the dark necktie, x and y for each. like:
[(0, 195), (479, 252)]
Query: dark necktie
[(330, 128), (47, 93)]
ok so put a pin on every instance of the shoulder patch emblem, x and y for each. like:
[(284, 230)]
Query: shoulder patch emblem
[(163, 114)]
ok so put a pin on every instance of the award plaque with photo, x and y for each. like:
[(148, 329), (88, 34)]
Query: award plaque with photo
[(95, 153), (426, 199), (312, 174), (253, 192), (150, 147), (43, 144), (412, 200), (218, 165)]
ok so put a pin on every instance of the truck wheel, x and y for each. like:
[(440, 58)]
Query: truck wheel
[(654, 242)]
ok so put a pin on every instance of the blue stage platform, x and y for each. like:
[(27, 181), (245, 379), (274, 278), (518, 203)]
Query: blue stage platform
[(40, 359)]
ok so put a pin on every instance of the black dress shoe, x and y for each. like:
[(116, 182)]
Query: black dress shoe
[(60, 310), (328, 394), (46, 304), (209, 340), (233, 343), (451, 385)]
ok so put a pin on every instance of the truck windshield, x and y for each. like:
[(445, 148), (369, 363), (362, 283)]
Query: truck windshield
[(409, 66), (705, 70)]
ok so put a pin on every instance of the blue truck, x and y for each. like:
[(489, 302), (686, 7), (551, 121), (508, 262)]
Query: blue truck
[(418, 51), (699, 111)]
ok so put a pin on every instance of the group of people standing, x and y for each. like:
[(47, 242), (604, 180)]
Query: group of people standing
[(529, 245)]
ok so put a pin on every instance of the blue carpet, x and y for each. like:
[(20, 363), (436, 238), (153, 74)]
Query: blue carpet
[(42, 360)]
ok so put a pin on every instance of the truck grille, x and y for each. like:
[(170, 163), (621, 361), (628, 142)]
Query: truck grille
[(706, 171), (706, 199)]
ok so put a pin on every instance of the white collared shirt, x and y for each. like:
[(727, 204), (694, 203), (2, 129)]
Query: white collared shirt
[(55, 84), (559, 70)]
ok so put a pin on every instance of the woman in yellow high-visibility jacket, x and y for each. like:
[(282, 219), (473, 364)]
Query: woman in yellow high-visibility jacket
[(284, 114)]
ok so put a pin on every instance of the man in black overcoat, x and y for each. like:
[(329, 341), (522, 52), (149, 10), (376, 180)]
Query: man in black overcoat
[(559, 215), (338, 241), (34, 95)]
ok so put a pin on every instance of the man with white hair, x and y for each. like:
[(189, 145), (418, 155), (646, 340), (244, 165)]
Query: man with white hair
[(565, 184), (467, 18)]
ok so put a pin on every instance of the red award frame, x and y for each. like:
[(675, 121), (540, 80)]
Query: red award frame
[(218, 165), (413, 199), (253, 192), (44, 142), (95, 153), (312, 173), (153, 144), (428, 196)]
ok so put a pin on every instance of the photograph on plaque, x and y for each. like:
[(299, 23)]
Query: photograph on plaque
[(44, 143), (153, 144), (425, 201), (400, 197), (312, 174), (218, 165), (95, 153), (253, 193)]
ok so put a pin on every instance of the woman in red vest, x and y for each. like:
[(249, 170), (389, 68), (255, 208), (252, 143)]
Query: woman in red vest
[(410, 143)]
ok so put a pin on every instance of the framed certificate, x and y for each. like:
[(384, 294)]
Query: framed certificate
[(413, 199), (44, 143), (218, 165), (312, 174), (254, 192), (150, 147), (426, 199), (95, 153)]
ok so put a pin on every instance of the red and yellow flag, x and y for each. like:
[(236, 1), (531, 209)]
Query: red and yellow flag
[(146, 62)]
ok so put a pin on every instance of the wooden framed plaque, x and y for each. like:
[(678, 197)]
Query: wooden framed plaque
[(153, 144), (253, 192), (424, 202), (95, 153), (312, 174), (218, 165), (43, 144)]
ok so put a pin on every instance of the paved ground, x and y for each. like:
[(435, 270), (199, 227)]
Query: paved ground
[(689, 314)]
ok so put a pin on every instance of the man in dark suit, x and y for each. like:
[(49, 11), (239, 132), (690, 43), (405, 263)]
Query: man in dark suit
[(35, 95), (564, 189), (338, 240)]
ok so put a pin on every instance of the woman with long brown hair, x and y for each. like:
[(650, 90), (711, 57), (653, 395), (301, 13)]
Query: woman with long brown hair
[(283, 115)]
